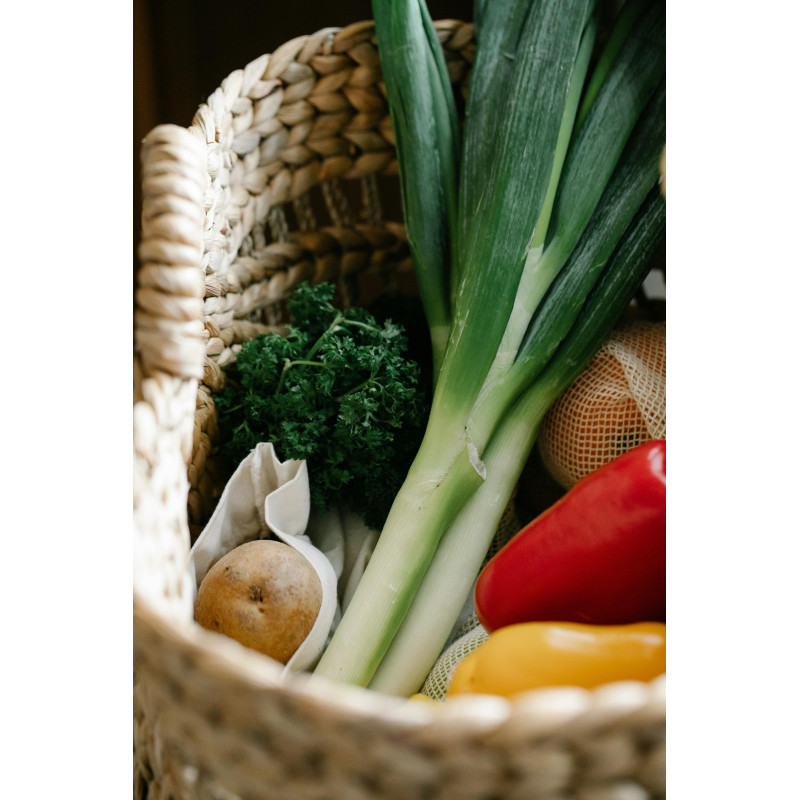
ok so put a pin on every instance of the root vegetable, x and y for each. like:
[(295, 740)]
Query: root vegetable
[(264, 594)]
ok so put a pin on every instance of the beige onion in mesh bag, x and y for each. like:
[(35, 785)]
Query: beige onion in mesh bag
[(617, 402)]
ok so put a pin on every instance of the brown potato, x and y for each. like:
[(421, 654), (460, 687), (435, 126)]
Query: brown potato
[(263, 594)]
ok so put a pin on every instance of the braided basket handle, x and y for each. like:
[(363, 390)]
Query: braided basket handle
[(169, 356), (168, 319)]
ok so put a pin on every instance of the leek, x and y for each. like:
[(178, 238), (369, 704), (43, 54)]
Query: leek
[(450, 577), (538, 222), (428, 141)]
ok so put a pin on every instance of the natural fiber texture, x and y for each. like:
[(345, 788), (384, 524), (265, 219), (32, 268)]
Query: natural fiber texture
[(438, 681), (283, 176), (618, 402)]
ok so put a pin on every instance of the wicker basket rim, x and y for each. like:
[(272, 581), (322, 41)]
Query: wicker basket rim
[(473, 711)]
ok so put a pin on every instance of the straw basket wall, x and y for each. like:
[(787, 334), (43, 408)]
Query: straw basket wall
[(284, 175)]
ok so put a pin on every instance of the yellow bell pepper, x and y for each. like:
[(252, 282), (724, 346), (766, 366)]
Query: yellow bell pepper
[(419, 697), (532, 655)]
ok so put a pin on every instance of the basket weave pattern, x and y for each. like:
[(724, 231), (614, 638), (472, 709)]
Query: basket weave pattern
[(283, 176)]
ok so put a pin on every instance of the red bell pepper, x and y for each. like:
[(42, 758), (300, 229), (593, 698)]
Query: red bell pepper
[(598, 555)]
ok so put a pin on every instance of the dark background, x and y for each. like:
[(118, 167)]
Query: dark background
[(184, 49)]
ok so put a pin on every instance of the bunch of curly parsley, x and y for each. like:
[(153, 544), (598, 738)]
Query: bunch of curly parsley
[(339, 391)]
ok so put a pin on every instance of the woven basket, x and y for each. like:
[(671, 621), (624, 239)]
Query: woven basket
[(283, 176)]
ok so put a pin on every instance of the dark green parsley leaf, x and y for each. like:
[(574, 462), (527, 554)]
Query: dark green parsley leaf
[(340, 391)]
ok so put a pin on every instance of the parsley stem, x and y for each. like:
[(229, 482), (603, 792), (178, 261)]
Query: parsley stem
[(358, 387), (243, 426), (355, 323), (287, 365), (338, 320)]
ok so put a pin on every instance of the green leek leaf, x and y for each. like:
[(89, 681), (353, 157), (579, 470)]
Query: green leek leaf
[(428, 142), (503, 186)]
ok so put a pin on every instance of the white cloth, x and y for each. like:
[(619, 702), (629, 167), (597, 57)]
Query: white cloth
[(267, 497)]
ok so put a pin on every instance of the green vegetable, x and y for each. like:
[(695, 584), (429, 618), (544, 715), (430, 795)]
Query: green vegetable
[(338, 391), (558, 219), (428, 136), (449, 579)]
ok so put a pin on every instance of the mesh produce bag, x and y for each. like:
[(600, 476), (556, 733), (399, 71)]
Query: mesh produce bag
[(617, 402), (438, 680)]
